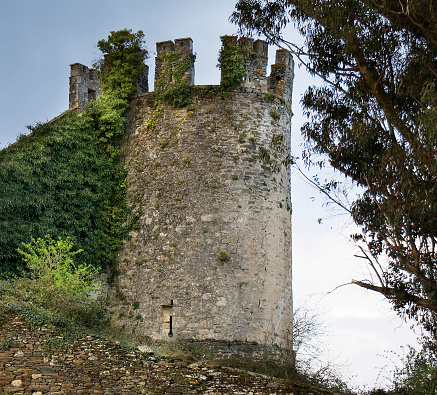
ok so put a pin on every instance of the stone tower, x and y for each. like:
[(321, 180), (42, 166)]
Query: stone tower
[(209, 257)]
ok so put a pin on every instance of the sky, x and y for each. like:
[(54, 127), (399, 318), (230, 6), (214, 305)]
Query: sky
[(40, 39)]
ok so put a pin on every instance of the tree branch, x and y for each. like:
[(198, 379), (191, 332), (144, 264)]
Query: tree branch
[(394, 294)]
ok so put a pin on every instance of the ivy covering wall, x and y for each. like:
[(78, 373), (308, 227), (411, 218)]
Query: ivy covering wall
[(67, 177)]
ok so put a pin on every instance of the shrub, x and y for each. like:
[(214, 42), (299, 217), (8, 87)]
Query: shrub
[(56, 282), (223, 255)]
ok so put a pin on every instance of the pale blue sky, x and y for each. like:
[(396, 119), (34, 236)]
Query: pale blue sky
[(40, 39)]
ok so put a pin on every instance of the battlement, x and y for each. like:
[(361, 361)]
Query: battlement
[(169, 55), (84, 85), (175, 63), (282, 75), (279, 82)]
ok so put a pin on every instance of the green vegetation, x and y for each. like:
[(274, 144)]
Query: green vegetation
[(276, 155), (122, 64), (173, 85), (186, 160), (55, 286), (223, 255), (416, 376), (153, 119), (59, 280), (275, 115), (232, 60), (67, 177)]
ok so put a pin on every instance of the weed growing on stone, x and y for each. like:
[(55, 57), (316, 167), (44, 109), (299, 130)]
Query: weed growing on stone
[(223, 255), (275, 115)]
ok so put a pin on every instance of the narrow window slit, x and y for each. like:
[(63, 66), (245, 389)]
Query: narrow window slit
[(170, 333), (168, 317)]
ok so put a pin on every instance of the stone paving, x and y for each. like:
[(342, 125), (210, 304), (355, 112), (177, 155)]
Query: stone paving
[(96, 366)]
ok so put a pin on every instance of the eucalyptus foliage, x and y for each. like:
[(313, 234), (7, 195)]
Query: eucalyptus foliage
[(374, 120)]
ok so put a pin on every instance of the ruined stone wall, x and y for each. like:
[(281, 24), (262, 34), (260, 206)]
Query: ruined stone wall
[(210, 255), (84, 86)]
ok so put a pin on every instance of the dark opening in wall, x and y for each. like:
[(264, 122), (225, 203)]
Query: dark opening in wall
[(92, 94), (170, 332), (168, 317)]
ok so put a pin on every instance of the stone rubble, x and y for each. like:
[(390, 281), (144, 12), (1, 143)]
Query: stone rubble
[(93, 365)]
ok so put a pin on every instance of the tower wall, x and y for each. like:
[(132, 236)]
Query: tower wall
[(165, 68), (210, 255), (256, 66)]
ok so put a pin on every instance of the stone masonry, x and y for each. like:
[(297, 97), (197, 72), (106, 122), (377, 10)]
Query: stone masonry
[(210, 255), (29, 365), (209, 187), (84, 85)]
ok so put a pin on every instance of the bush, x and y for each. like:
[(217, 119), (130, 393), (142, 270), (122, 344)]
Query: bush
[(54, 282), (417, 375)]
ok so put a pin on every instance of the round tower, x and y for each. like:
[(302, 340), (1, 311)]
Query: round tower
[(209, 257)]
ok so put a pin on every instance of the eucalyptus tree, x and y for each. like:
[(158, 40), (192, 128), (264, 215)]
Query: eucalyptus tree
[(374, 120)]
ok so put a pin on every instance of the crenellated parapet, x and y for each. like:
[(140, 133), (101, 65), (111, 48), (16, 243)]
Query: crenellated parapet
[(143, 81), (282, 75), (174, 68), (84, 85), (255, 54)]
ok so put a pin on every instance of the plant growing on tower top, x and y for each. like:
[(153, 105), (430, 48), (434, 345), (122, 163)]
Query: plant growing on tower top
[(123, 63)]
